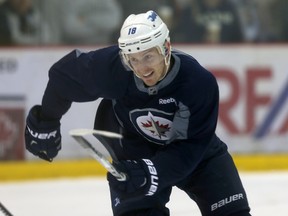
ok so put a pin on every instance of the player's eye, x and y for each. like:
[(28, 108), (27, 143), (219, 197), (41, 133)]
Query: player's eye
[(133, 60), (147, 57)]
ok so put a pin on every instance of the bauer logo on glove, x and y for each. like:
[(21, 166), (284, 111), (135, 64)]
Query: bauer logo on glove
[(42, 135)]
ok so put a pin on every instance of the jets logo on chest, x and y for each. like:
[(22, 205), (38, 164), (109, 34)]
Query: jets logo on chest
[(154, 125)]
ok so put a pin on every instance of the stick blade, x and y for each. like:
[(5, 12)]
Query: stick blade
[(101, 151), (84, 132)]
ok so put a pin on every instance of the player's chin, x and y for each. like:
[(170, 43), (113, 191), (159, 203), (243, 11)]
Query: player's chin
[(150, 81)]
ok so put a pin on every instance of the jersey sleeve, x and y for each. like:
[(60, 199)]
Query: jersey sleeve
[(83, 77)]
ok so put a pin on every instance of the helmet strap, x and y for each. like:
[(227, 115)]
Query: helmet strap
[(166, 51)]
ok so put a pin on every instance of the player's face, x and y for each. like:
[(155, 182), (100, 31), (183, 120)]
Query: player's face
[(148, 65)]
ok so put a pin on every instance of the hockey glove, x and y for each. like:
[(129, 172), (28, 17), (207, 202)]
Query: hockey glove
[(142, 178), (42, 137)]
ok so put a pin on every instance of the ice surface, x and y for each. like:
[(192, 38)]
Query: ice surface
[(267, 193)]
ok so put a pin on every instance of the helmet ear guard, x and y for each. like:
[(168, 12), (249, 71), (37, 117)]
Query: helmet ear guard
[(167, 47)]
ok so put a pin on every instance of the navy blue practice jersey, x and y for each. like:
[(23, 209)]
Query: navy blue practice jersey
[(179, 113)]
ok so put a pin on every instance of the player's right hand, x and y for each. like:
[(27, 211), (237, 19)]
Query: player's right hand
[(142, 178), (42, 137)]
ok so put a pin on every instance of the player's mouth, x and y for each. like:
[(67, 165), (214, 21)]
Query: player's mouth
[(149, 78), (148, 75)]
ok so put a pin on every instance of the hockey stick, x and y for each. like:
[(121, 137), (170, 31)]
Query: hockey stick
[(79, 136), (5, 210), (83, 132)]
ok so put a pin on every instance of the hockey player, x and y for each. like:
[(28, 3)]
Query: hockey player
[(166, 106)]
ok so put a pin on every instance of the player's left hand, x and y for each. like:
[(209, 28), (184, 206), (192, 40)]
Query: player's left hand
[(142, 178)]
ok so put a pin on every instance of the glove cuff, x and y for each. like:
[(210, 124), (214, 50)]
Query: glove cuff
[(35, 118)]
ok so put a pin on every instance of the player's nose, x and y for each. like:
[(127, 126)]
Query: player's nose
[(142, 69)]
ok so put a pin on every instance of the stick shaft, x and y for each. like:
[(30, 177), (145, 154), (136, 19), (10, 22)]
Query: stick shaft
[(5, 210)]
